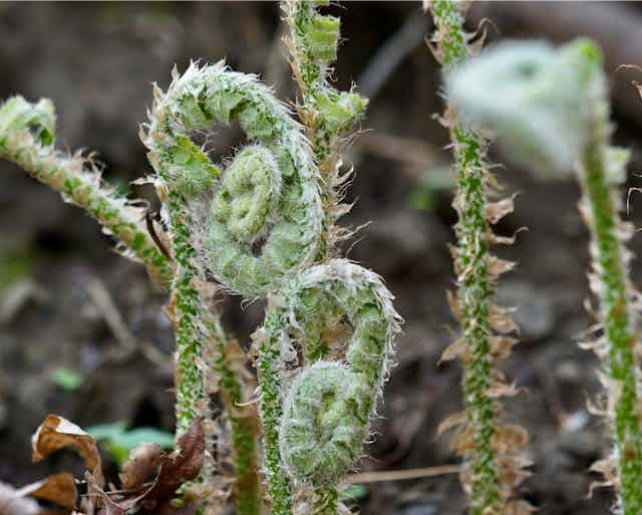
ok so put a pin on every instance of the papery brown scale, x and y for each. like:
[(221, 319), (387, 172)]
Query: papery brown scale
[(498, 266), (511, 470), (474, 40), (509, 438), (463, 440), (501, 346), (451, 421), (495, 239), (495, 211), (502, 390), (607, 468), (454, 350), (501, 321), (594, 409), (519, 507), (453, 303), (434, 50)]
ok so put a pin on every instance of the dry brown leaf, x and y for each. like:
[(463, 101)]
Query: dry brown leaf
[(57, 488), (142, 463), (57, 433), (98, 501), (180, 466)]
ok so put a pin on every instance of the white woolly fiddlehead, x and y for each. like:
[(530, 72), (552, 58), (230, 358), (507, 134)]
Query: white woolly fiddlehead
[(267, 195), (527, 93), (326, 413)]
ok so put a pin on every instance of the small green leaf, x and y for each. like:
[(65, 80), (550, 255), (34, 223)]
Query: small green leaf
[(354, 493), (119, 441), (67, 379)]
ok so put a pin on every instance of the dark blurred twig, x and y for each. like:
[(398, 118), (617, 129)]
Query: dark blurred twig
[(391, 54)]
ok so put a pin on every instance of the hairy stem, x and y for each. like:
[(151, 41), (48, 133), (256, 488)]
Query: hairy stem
[(550, 107), (184, 307), (614, 293), (269, 372), (475, 289), (27, 138), (243, 423)]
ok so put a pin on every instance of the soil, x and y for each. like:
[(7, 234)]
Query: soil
[(96, 62)]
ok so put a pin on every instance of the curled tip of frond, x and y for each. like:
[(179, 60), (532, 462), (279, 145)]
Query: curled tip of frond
[(268, 191), (16, 114), (327, 411), (534, 97)]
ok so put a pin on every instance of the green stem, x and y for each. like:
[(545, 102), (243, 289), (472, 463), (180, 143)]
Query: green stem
[(615, 311), (475, 295), (269, 372), (475, 288), (243, 428), (184, 308), (35, 153)]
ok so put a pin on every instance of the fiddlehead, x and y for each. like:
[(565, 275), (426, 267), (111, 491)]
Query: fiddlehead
[(27, 137), (267, 195), (327, 410)]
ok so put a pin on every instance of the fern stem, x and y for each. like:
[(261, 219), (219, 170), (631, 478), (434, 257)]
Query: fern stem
[(550, 107), (475, 289), (184, 307), (243, 424), (614, 293), (269, 372)]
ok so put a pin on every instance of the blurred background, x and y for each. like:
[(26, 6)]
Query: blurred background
[(83, 334)]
